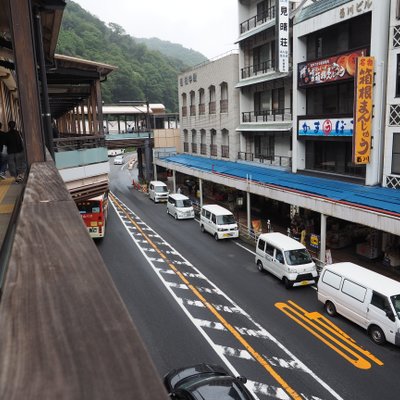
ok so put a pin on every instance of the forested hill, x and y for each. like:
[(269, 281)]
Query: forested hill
[(143, 73)]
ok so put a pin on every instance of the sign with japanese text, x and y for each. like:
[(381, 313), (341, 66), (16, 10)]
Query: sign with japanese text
[(363, 110), (283, 35), (188, 79), (314, 240), (329, 69), (325, 127)]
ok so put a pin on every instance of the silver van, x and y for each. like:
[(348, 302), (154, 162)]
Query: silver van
[(285, 258), (180, 206)]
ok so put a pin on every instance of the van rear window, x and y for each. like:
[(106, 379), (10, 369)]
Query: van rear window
[(354, 290), (332, 279)]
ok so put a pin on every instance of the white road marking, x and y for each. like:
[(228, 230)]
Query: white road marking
[(281, 393), (268, 390)]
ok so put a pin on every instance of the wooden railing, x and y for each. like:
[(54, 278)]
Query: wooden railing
[(65, 332)]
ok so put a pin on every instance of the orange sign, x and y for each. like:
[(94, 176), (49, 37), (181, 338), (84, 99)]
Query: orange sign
[(363, 110)]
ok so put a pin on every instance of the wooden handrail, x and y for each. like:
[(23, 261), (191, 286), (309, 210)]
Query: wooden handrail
[(65, 332)]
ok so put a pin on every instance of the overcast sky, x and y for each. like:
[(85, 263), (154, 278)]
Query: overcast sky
[(207, 26)]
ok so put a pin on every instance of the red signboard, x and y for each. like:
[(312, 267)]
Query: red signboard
[(328, 70)]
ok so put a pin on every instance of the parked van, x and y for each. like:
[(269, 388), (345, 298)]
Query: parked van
[(118, 160), (179, 206), (218, 221), (158, 191), (363, 296), (285, 258)]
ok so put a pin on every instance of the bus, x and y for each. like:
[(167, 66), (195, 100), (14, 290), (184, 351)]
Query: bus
[(94, 215)]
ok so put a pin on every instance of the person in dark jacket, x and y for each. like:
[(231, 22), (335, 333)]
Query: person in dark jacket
[(15, 151)]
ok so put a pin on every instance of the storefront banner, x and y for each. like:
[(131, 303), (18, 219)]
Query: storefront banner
[(363, 89), (325, 127), (283, 35), (330, 69)]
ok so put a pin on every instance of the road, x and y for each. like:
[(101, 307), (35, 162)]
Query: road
[(197, 300)]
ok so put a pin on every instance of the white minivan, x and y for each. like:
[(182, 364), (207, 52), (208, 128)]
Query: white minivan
[(365, 297), (179, 206), (218, 221), (158, 191), (285, 258)]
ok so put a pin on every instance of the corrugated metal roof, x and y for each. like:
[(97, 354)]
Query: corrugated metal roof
[(375, 197), (317, 8)]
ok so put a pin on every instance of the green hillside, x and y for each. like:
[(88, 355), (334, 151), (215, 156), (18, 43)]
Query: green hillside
[(142, 73)]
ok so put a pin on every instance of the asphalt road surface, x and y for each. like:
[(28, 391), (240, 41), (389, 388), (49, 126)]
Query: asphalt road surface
[(197, 300)]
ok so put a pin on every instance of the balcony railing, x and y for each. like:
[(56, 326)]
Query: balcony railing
[(277, 161), (257, 20), (202, 109), (194, 147), (225, 151), (212, 107), (258, 69), (186, 147), (223, 106), (213, 150), (192, 111), (279, 114), (78, 143), (184, 111), (203, 149)]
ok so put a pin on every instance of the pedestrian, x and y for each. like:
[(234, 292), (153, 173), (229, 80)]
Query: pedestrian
[(303, 235), (3, 156), (15, 152)]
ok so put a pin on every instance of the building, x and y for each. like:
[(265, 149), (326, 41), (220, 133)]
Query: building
[(208, 104)]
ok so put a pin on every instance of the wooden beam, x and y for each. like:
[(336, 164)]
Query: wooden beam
[(25, 61), (65, 332)]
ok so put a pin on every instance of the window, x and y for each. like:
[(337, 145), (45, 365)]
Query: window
[(332, 279), (279, 257), (213, 218), (226, 219), (269, 249), (396, 154), (261, 244), (380, 301), (262, 102), (297, 257), (398, 76), (353, 290), (278, 100)]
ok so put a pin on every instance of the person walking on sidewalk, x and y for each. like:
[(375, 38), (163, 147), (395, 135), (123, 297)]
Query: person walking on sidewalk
[(3, 156), (15, 151)]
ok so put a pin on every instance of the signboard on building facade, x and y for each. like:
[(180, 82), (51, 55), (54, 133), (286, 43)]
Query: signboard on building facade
[(325, 127), (327, 70), (363, 85), (283, 35)]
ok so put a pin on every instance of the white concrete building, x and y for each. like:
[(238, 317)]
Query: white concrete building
[(208, 108)]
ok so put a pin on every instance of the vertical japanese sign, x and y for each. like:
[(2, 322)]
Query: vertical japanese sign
[(363, 110), (283, 35)]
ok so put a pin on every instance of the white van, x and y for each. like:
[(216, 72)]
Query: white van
[(363, 296), (158, 191), (218, 221), (118, 160), (179, 206), (285, 258)]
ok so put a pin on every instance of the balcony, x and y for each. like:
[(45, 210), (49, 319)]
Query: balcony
[(223, 106), (258, 69), (224, 151), (212, 107), (202, 109), (279, 114), (192, 111), (257, 20), (194, 148), (203, 149), (184, 111), (186, 147), (213, 150), (272, 160)]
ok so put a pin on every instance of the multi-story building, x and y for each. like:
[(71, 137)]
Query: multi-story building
[(209, 113)]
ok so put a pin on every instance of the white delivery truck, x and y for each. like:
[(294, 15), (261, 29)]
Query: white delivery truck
[(285, 258), (365, 297)]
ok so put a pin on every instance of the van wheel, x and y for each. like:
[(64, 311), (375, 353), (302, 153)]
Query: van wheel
[(376, 334), (330, 308), (216, 236), (202, 228), (286, 282), (260, 266)]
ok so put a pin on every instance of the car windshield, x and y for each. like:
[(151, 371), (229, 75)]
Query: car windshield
[(225, 219), (161, 189), (297, 257), (396, 303), (221, 388), (183, 203)]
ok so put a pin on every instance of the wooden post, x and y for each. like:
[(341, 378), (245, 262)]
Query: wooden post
[(99, 107), (25, 61)]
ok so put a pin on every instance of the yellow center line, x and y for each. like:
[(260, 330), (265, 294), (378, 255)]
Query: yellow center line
[(258, 357)]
